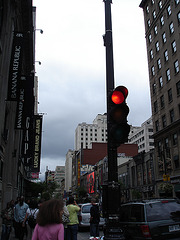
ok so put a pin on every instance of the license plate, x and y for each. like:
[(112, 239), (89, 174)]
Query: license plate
[(174, 228)]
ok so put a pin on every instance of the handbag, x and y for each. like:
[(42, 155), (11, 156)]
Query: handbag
[(65, 218)]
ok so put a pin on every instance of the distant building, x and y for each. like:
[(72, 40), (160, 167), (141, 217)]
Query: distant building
[(143, 136), (85, 133), (68, 170), (59, 174)]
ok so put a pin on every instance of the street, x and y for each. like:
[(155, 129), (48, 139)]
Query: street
[(83, 235)]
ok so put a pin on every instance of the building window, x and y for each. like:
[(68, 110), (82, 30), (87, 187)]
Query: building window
[(175, 139), (155, 30), (176, 2), (155, 107), (176, 66), (149, 23), (164, 37), (162, 101), (159, 63), (160, 4), (171, 116), (154, 88), (178, 17), (170, 95), (157, 46), (160, 82), (151, 54), (154, 14), (153, 71), (150, 38), (162, 20), (171, 27), (166, 56), (176, 161), (152, 1), (168, 74), (157, 125), (169, 10), (178, 88), (147, 9), (164, 121), (174, 49)]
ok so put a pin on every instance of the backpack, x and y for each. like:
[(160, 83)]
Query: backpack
[(32, 220)]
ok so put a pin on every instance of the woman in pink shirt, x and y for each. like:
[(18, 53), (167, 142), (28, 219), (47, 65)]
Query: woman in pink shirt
[(49, 221)]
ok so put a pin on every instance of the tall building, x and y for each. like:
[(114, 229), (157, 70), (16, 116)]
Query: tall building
[(162, 32), (68, 170), (143, 136), (85, 133), (59, 174)]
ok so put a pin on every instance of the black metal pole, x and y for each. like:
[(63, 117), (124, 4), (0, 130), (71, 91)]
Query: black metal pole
[(108, 42)]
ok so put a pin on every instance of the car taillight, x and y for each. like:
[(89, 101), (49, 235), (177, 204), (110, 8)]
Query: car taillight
[(80, 218), (145, 231)]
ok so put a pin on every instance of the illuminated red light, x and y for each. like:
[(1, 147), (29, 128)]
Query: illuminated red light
[(117, 97)]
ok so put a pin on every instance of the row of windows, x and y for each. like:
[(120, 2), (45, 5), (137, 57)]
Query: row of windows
[(154, 14), (170, 97), (166, 54), (168, 77), (171, 118), (160, 5), (91, 139)]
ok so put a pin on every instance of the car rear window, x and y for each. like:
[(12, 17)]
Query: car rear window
[(86, 208), (163, 210), (132, 213)]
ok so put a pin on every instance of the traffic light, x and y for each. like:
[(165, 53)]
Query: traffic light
[(118, 111)]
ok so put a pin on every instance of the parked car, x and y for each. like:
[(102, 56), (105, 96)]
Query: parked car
[(84, 216), (151, 219)]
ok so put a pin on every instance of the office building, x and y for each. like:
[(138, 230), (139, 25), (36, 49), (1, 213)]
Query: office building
[(143, 136), (162, 29)]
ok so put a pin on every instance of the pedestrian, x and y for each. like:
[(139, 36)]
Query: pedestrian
[(49, 221), (19, 215), (65, 218), (72, 226), (30, 218), (7, 221), (94, 220)]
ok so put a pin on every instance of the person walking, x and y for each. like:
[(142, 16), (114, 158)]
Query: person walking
[(30, 218), (19, 215), (7, 221), (72, 226), (65, 218), (49, 221), (94, 220)]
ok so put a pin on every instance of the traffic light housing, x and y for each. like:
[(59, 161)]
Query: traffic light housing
[(118, 111)]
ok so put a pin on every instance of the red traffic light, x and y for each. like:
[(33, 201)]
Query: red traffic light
[(119, 95)]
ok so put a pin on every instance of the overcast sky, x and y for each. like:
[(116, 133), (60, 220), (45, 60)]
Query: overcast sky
[(72, 81)]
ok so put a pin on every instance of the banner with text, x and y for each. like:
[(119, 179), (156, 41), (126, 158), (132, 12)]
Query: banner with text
[(15, 67), (37, 143), (25, 105)]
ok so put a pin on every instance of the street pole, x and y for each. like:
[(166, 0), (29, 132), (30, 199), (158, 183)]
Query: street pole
[(111, 191)]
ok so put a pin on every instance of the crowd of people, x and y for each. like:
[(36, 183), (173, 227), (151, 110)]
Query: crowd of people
[(46, 220)]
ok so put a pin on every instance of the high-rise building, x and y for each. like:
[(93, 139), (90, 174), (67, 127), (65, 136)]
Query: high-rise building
[(143, 136), (85, 133), (162, 32)]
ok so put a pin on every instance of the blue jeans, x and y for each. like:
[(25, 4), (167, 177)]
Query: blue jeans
[(94, 229), (72, 231), (6, 229)]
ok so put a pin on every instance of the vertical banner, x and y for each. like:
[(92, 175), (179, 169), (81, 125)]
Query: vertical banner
[(37, 143), (15, 67), (25, 105), (79, 171)]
